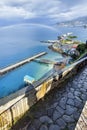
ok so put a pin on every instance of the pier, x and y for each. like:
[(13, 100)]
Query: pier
[(45, 61), (14, 66), (50, 41)]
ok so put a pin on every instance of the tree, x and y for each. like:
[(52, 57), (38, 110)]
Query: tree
[(86, 44), (81, 48)]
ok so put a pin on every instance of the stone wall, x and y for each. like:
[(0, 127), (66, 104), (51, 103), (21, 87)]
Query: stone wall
[(82, 122), (13, 107), (14, 110)]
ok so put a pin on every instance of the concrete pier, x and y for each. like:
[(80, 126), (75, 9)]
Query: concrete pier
[(45, 61), (11, 67)]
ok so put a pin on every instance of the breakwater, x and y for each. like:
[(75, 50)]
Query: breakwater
[(11, 67)]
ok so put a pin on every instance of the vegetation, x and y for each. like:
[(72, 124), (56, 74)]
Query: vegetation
[(81, 48), (76, 42), (76, 51), (82, 55), (69, 41), (71, 37), (66, 41), (86, 43)]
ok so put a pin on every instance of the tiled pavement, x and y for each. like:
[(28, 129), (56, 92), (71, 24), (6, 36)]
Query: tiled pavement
[(61, 109)]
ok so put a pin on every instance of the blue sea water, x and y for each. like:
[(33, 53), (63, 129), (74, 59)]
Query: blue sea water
[(22, 41)]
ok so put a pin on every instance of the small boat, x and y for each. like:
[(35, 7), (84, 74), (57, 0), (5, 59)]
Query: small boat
[(28, 79)]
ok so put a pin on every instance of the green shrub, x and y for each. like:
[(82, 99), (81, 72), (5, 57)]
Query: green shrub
[(86, 44), (72, 37), (81, 48)]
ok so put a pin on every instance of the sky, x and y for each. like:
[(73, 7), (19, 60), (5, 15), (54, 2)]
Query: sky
[(41, 11)]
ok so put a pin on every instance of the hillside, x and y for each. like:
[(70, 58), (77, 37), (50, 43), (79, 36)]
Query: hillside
[(81, 21)]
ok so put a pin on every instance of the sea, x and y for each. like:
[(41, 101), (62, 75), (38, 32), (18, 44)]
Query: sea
[(18, 42)]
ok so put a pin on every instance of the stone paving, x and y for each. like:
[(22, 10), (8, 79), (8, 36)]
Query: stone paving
[(61, 108)]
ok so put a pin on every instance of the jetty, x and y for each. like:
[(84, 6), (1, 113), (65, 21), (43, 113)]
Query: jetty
[(14, 66), (50, 41), (44, 61)]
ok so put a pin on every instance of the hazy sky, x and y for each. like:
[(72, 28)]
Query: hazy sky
[(51, 10)]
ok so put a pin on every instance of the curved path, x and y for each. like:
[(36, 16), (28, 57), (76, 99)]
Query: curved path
[(61, 109)]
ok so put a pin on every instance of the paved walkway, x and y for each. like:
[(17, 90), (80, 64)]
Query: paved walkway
[(61, 108)]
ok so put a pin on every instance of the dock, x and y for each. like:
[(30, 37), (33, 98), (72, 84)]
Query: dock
[(44, 61), (14, 66), (50, 41)]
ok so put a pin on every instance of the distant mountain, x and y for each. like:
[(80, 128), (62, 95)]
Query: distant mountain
[(81, 21)]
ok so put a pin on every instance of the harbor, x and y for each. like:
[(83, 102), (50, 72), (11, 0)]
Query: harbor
[(35, 67), (23, 84)]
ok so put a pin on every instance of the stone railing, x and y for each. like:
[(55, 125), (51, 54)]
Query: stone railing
[(82, 122)]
